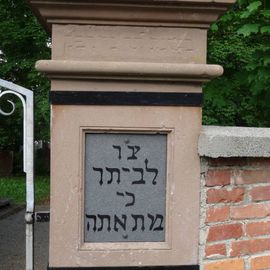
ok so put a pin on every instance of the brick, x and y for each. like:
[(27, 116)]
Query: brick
[(258, 228), (248, 247), (217, 214), (224, 231), (260, 193), (259, 162), (252, 176), (250, 211), (223, 195), (215, 250), (237, 264), (218, 178), (239, 162), (222, 162), (260, 263)]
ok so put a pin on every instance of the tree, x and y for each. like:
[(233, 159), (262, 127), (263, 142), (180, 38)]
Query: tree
[(240, 41), (22, 43)]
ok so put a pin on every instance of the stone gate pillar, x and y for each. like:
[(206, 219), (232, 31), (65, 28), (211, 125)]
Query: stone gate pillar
[(126, 95)]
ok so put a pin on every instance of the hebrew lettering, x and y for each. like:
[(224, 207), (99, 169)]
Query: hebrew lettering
[(134, 149), (126, 169), (102, 223), (120, 194), (132, 199), (125, 187), (122, 222), (130, 196), (141, 180), (94, 218), (119, 150), (154, 221), (113, 171), (136, 218), (108, 220), (100, 170), (151, 170)]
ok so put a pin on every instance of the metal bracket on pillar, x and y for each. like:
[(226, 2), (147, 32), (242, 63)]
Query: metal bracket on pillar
[(26, 97)]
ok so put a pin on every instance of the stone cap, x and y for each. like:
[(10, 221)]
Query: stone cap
[(178, 13), (216, 141)]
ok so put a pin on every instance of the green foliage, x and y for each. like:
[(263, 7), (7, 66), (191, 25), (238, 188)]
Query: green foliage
[(240, 42), (22, 43), (248, 29), (14, 189)]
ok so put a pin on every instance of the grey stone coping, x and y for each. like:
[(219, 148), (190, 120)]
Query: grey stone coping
[(216, 141)]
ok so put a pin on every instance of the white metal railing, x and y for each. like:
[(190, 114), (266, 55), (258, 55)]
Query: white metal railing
[(26, 97)]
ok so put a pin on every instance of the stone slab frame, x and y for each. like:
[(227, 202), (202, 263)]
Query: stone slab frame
[(70, 123)]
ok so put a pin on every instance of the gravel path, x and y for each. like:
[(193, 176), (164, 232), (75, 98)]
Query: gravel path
[(12, 243)]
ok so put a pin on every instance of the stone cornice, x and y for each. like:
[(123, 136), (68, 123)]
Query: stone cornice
[(128, 71), (178, 13)]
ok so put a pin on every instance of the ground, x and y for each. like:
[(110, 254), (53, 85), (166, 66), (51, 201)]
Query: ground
[(12, 243)]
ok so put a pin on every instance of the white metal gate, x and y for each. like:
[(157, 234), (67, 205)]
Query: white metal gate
[(26, 97)]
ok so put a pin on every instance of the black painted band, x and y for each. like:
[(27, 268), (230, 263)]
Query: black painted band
[(126, 98), (182, 267)]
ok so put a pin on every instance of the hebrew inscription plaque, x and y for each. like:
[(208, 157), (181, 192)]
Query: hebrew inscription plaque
[(125, 187)]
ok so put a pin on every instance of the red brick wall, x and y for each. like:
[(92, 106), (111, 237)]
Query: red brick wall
[(235, 216)]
